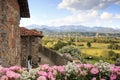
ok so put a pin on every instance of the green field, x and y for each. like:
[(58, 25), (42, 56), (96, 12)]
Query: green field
[(96, 49), (97, 52)]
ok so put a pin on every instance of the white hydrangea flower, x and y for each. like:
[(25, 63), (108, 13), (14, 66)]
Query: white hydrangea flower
[(104, 67), (27, 75), (24, 75), (71, 68)]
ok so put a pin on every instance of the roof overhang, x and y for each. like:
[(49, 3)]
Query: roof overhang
[(24, 9), (29, 33)]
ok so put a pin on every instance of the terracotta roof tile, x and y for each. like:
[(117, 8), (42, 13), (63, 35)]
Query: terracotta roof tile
[(27, 32)]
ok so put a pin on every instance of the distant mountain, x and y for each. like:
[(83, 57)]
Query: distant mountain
[(72, 28)]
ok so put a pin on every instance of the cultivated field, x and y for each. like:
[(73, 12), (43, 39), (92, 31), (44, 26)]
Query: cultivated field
[(96, 49)]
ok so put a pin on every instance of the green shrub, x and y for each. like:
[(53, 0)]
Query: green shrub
[(114, 46), (59, 44), (70, 43), (81, 45), (72, 50), (113, 56), (88, 44)]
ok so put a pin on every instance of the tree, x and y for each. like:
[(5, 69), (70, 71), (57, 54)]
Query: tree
[(59, 45), (88, 44)]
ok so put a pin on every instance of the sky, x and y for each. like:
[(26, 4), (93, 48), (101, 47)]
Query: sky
[(104, 13)]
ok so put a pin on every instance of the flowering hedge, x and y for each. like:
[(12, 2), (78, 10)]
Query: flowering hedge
[(71, 71)]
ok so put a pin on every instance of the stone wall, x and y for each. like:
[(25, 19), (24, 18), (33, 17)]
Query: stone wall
[(55, 57), (9, 32), (30, 47)]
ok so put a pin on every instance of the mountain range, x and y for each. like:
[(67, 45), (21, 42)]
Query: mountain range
[(73, 28)]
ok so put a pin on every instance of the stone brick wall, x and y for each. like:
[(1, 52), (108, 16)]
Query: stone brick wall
[(9, 32), (30, 47), (55, 57)]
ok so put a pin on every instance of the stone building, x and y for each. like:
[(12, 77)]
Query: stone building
[(32, 49), (30, 43), (19, 45), (11, 12)]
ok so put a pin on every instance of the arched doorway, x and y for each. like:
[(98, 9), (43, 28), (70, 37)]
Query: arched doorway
[(29, 61)]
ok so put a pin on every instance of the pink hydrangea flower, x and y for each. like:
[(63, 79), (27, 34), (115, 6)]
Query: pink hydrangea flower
[(4, 78), (61, 69), (113, 77), (50, 69), (4, 70), (42, 73), (12, 74), (44, 67), (14, 68), (42, 78), (53, 78), (50, 75), (54, 67), (88, 66), (80, 65), (114, 69), (94, 71), (94, 78)]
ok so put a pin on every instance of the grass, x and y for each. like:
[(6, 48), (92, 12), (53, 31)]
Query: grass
[(97, 49), (94, 52), (100, 45)]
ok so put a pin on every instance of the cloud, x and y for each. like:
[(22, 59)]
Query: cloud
[(89, 12), (75, 5), (106, 15), (91, 18), (114, 1), (79, 18), (117, 16)]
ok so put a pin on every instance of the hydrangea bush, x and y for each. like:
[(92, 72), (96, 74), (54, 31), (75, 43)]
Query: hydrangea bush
[(71, 71)]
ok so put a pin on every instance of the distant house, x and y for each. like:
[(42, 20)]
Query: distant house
[(11, 12), (30, 43)]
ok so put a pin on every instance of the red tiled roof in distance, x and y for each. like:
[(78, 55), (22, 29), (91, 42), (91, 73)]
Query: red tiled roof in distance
[(27, 32)]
